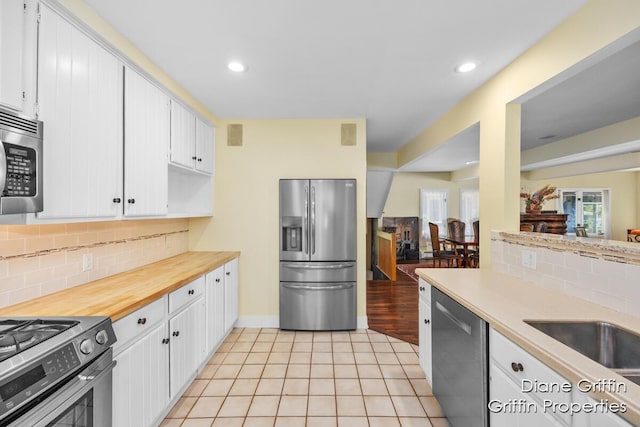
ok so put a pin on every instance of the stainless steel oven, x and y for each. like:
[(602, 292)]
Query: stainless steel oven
[(20, 163), (58, 372)]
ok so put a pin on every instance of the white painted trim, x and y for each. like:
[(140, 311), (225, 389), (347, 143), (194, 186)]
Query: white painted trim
[(274, 322), (258, 322)]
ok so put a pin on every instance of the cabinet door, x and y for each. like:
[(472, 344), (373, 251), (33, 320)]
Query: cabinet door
[(183, 136), (146, 143), (205, 146), (502, 390), (424, 337), (215, 308), (230, 294), (595, 419), (12, 24), (80, 98), (187, 345), (140, 381)]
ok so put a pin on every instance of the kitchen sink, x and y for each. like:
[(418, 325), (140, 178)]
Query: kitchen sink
[(610, 345)]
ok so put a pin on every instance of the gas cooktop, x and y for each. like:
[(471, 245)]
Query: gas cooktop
[(17, 335)]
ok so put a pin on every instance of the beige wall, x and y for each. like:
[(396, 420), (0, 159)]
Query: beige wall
[(246, 197), (624, 196), (404, 195)]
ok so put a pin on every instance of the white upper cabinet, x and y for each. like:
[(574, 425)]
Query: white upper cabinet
[(205, 146), (146, 141), (12, 37), (80, 101), (183, 135), (192, 140)]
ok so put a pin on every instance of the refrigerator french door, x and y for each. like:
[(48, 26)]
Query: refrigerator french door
[(318, 254)]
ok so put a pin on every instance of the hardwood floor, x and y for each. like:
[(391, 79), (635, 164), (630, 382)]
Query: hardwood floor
[(392, 307)]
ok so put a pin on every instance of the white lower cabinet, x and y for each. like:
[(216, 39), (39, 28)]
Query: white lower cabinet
[(215, 308), (424, 330), (515, 397), (186, 347), (595, 418), (162, 345), (230, 294), (140, 380)]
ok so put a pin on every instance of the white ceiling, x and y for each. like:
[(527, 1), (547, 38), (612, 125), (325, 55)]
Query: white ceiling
[(390, 62), (597, 93)]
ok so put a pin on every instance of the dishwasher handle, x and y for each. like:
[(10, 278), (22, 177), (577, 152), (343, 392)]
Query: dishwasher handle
[(459, 323)]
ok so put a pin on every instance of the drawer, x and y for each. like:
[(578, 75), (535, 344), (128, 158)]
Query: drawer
[(528, 372), (186, 294), (424, 290), (139, 321)]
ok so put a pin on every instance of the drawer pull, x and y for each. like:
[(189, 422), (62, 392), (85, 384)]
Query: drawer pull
[(142, 321), (191, 292), (517, 367), (426, 321)]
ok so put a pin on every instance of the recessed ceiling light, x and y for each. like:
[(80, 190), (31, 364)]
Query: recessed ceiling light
[(466, 67), (237, 67)]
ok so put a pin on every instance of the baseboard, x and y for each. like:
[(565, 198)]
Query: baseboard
[(258, 322), (274, 322)]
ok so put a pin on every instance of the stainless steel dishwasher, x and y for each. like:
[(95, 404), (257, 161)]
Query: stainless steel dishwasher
[(460, 362)]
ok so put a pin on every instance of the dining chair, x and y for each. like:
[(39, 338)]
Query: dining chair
[(456, 230), (439, 251), (526, 227), (474, 254)]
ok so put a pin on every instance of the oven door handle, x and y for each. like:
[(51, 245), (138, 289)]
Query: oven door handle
[(53, 406), (3, 167)]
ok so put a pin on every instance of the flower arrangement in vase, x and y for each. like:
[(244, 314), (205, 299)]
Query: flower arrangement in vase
[(533, 201)]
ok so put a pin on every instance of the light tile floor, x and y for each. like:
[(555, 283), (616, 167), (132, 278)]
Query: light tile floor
[(268, 377)]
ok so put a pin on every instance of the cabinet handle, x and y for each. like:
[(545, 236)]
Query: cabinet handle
[(193, 158), (142, 321), (426, 321), (165, 340), (132, 201), (191, 292), (117, 200), (218, 280), (517, 367), (176, 333), (228, 273), (199, 159)]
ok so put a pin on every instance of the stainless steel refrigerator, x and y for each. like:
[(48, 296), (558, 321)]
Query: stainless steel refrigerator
[(318, 254)]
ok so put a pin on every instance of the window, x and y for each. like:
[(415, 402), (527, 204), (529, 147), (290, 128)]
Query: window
[(469, 209), (433, 208), (588, 208)]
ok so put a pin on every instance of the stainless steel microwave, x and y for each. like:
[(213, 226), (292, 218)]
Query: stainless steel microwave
[(20, 163)]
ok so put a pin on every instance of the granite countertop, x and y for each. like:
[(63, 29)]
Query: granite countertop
[(118, 295), (505, 302)]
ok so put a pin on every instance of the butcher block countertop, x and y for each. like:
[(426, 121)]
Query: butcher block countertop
[(505, 302), (118, 295)]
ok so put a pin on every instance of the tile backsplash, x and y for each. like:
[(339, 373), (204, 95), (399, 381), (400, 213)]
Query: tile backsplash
[(612, 284), (37, 260)]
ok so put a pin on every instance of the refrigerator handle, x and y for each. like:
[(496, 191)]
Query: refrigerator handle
[(305, 225), (313, 220)]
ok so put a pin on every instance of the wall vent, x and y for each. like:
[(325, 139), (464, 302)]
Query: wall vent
[(19, 124), (348, 134), (234, 135)]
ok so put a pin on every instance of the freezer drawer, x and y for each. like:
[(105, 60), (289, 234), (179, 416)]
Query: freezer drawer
[(318, 306), (317, 271)]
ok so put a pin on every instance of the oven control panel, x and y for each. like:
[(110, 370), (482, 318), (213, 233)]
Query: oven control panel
[(21, 386)]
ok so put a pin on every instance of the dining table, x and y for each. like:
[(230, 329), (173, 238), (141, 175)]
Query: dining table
[(464, 245)]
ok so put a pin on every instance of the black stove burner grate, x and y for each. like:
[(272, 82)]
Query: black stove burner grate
[(17, 335)]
